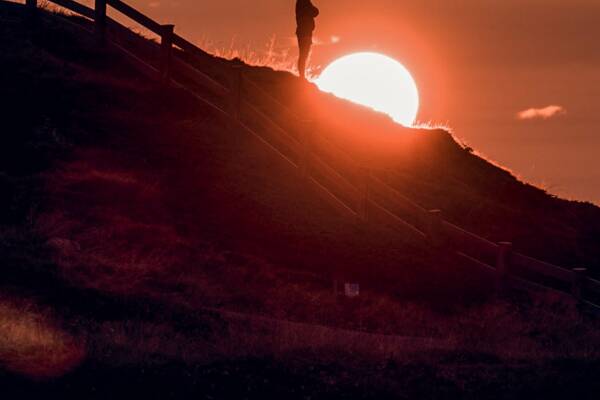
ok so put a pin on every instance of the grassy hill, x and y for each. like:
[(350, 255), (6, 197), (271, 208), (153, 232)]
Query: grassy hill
[(150, 249)]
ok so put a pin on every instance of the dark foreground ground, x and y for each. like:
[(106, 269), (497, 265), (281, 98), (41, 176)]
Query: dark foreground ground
[(266, 378), (147, 251)]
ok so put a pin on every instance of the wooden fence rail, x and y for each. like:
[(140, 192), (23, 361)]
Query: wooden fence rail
[(469, 242), (186, 71), (368, 194), (378, 212), (273, 103), (290, 141), (419, 217), (74, 7), (593, 286), (135, 15), (541, 267), (339, 181)]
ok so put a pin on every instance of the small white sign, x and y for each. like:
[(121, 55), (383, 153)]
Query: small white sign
[(352, 289)]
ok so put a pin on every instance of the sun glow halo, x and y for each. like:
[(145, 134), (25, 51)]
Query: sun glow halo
[(376, 81)]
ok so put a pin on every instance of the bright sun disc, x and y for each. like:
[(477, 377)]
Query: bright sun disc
[(376, 81)]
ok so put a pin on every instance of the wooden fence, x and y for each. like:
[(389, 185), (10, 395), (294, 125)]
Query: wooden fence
[(354, 191)]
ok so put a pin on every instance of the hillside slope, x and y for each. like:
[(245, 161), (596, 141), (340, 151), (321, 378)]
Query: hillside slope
[(132, 213), (437, 172)]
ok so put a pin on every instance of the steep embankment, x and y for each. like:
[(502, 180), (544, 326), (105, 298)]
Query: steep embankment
[(431, 168), (130, 208)]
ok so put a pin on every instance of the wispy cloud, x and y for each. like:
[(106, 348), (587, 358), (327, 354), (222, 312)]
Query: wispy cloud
[(541, 113)]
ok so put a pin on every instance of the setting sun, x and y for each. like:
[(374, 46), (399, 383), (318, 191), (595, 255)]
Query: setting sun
[(376, 81)]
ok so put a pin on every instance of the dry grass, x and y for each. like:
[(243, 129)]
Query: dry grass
[(280, 54), (123, 254)]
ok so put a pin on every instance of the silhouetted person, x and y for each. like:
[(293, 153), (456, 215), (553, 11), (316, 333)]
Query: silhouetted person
[(306, 13)]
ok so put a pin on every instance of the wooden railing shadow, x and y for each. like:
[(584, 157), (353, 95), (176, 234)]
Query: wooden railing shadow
[(349, 187)]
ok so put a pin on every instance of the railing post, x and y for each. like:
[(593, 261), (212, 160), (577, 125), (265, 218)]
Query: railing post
[(305, 162), (166, 53), (336, 290), (365, 193), (502, 266), (434, 228), (578, 283), (237, 83), (100, 20), (31, 10)]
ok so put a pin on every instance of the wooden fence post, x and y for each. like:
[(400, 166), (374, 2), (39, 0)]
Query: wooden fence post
[(434, 228), (100, 20), (502, 265), (307, 136), (578, 283), (31, 11), (237, 83), (364, 193), (166, 53)]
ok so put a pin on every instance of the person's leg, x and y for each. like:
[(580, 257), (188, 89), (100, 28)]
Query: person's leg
[(304, 44)]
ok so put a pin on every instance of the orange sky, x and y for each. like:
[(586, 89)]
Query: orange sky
[(478, 63)]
